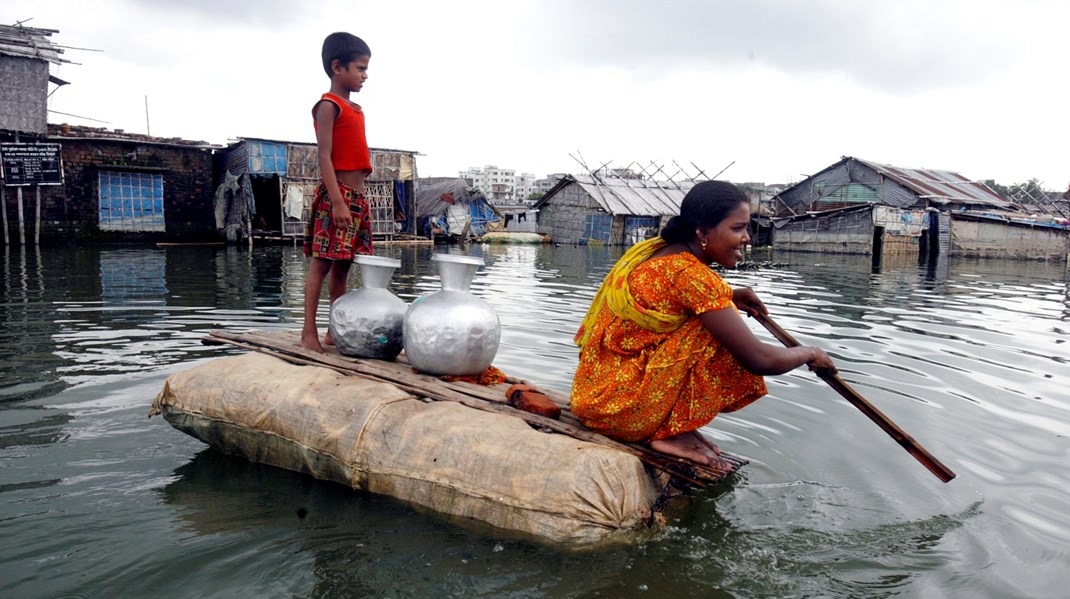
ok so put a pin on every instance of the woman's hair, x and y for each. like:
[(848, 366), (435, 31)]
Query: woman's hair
[(343, 47), (704, 207)]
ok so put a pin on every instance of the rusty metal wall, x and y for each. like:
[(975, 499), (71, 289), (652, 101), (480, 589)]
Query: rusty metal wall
[(236, 158)]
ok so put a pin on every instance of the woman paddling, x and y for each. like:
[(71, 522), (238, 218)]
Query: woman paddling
[(663, 348)]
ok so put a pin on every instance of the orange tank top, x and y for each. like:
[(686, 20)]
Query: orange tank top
[(349, 151)]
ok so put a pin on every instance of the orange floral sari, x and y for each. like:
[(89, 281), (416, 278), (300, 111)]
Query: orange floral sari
[(643, 383)]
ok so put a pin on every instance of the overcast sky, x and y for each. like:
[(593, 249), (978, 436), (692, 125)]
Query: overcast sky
[(779, 89)]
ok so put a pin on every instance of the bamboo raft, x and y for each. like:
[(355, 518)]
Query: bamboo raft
[(683, 473)]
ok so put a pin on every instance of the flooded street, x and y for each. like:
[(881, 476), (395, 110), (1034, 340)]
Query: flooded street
[(968, 357)]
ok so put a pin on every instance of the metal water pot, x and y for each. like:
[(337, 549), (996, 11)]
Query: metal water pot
[(452, 331), (367, 322)]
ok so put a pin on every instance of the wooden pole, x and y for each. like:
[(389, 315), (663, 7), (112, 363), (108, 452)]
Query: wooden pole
[(3, 204), (22, 219), (37, 220), (906, 441)]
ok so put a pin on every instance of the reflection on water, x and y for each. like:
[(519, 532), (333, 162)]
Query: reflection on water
[(969, 356)]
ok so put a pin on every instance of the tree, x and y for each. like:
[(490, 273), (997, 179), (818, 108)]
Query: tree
[(1029, 189), (1002, 190)]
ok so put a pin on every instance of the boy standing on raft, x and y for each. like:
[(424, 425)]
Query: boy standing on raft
[(663, 347), (339, 221)]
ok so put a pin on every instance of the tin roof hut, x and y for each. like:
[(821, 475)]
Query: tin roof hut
[(609, 210), (854, 181), (265, 186), (864, 207)]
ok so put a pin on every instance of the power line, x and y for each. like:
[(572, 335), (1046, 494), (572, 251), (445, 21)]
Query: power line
[(78, 116)]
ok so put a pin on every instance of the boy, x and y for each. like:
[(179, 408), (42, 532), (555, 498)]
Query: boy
[(339, 224)]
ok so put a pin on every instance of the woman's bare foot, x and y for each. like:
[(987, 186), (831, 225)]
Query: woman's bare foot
[(692, 446), (702, 438)]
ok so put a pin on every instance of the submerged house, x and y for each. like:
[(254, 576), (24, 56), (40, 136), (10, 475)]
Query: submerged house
[(118, 186), (999, 235), (592, 209), (264, 188), (448, 207), (863, 207)]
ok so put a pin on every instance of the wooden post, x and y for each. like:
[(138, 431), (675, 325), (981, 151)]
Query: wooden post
[(3, 204), (22, 219), (37, 223)]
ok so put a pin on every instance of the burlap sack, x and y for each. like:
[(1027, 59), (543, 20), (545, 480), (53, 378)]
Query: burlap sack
[(440, 455)]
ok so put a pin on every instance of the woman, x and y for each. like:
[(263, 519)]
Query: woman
[(663, 348)]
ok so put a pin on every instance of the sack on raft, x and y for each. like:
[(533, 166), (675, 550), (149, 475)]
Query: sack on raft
[(442, 456)]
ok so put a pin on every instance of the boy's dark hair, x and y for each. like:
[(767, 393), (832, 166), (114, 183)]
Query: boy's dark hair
[(343, 47), (703, 208)]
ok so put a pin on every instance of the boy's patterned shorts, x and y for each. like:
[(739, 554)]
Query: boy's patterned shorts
[(324, 240)]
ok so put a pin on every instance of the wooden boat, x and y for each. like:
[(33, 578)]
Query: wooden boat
[(453, 447)]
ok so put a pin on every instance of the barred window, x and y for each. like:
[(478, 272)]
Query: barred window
[(130, 201), (266, 158)]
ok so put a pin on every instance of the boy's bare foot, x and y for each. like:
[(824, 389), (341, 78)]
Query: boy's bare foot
[(327, 339), (310, 341), (692, 446)]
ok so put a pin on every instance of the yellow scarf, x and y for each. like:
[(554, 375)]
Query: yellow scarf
[(614, 293)]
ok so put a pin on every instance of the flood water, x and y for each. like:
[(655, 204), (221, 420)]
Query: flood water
[(970, 358)]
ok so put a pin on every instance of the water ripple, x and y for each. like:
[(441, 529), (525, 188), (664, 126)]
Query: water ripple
[(969, 358)]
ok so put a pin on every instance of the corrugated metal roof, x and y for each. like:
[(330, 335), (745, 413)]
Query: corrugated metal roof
[(239, 140), (941, 186), (29, 42), (637, 197)]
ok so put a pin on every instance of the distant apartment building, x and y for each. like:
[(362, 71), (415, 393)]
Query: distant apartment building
[(497, 184), (525, 186), (547, 183), (501, 185)]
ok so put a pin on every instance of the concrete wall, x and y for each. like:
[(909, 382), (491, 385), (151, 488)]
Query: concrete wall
[(994, 239)]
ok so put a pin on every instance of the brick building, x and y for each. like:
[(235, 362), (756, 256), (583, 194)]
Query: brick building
[(120, 186)]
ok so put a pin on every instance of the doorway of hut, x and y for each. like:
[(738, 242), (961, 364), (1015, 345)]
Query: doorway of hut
[(929, 241), (878, 248), (267, 195)]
